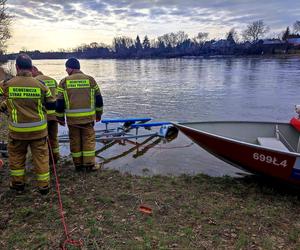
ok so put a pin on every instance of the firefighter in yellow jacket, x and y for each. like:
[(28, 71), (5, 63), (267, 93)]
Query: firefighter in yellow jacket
[(80, 100), (26, 100), (51, 116)]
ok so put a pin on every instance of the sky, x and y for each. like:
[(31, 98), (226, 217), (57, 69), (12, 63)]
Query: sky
[(55, 24)]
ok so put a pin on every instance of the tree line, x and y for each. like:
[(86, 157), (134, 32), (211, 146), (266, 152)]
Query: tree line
[(173, 44), (179, 44), (5, 21)]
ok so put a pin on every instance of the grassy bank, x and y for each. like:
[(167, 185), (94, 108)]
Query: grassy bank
[(188, 212)]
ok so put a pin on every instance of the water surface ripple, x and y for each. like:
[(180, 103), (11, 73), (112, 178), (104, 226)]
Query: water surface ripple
[(254, 88)]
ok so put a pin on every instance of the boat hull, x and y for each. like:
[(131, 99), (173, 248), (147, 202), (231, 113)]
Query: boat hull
[(253, 158)]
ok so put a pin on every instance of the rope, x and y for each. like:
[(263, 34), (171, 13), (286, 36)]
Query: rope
[(174, 147), (68, 241)]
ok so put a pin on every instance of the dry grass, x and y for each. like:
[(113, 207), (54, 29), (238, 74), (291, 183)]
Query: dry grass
[(188, 212)]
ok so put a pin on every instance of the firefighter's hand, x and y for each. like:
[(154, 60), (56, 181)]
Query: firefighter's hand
[(98, 118), (61, 121)]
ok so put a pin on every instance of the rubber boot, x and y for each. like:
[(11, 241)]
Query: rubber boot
[(44, 190), (17, 186), (79, 168), (93, 168)]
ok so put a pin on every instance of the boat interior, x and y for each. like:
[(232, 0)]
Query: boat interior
[(279, 136)]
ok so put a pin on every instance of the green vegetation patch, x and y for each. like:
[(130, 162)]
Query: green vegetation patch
[(188, 212)]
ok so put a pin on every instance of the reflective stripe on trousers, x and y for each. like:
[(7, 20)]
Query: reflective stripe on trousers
[(88, 153), (83, 153), (43, 177), (19, 172), (76, 154)]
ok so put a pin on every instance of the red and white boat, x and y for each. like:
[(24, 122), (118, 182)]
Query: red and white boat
[(268, 148)]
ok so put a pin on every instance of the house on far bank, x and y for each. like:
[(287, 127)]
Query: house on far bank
[(273, 42), (273, 46), (223, 47), (221, 44), (294, 41), (247, 45)]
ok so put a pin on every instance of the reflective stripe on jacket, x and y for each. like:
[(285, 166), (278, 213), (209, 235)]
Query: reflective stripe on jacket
[(52, 85)]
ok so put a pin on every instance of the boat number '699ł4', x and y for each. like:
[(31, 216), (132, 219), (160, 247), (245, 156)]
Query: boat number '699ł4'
[(269, 159)]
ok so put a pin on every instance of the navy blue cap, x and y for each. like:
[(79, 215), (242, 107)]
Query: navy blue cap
[(23, 61), (72, 63)]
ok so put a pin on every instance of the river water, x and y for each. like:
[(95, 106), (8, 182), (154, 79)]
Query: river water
[(252, 88)]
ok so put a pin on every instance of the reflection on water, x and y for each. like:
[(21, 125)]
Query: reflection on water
[(137, 148), (157, 156), (252, 88), (152, 155)]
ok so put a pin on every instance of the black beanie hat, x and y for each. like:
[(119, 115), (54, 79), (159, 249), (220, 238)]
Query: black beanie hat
[(72, 63), (23, 61)]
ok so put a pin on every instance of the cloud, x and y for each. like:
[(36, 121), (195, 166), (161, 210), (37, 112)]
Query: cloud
[(154, 17), (238, 11)]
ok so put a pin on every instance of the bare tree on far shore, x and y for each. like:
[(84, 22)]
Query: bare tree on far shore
[(200, 38), (255, 31), (296, 27), (5, 21), (232, 36)]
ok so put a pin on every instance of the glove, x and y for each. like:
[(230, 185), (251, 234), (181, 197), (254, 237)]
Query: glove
[(61, 121), (98, 118)]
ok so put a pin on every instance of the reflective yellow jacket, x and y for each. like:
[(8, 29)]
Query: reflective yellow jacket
[(79, 99), (26, 100)]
